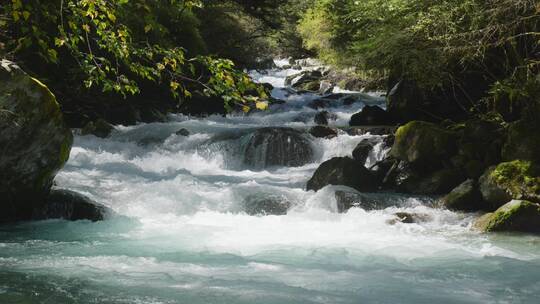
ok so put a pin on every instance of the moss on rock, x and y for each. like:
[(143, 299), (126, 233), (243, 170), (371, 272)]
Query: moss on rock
[(517, 215), (519, 178), (424, 143)]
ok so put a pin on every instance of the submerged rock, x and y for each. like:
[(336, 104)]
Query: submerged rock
[(266, 204), (371, 115), (517, 215), (465, 197), (99, 128), (183, 132), (323, 132), (268, 147), (343, 171), (352, 199), (34, 140), (69, 205), (408, 218)]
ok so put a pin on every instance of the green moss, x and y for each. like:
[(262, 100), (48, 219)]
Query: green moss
[(519, 178), (511, 216), (423, 142)]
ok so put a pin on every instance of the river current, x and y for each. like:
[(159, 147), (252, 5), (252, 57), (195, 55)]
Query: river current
[(180, 232)]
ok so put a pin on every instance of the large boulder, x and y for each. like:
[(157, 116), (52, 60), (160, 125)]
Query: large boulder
[(369, 116), (522, 142), (511, 180), (35, 142), (465, 197), (407, 179), (517, 215), (270, 147), (424, 144), (343, 171), (69, 205)]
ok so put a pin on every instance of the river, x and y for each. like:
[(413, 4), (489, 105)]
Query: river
[(180, 232)]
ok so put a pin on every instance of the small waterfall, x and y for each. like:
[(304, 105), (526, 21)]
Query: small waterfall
[(271, 147)]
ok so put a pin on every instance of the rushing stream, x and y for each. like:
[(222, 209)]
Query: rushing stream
[(182, 230)]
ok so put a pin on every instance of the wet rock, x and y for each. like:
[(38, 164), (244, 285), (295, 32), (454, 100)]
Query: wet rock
[(465, 197), (320, 103), (99, 128), (34, 140), (322, 118), (264, 64), (326, 87), (70, 205), (362, 151), (268, 147), (371, 115), (297, 80), (408, 218), (491, 191), (183, 132), (323, 132), (266, 204), (343, 171), (424, 144), (517, 216), (153, 115), (311, 86), (410, 180), (355, 131)]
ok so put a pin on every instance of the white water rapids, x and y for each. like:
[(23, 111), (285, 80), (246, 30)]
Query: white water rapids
[(180, 233)]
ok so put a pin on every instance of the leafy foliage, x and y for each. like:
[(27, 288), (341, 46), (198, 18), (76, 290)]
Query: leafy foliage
[(116, 52)]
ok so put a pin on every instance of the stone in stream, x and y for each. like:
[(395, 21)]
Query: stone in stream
[(265, 204), (183, 132), (362, 150), (323, 132), (35, 142), (99, 128), (517, 216), (69, 205), (465, 197), (371, 115), (408, 218), (270, 147), (323, 118), (343, 171)]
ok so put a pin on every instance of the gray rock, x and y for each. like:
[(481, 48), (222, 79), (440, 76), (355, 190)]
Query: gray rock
[(465, 197), (491, 192), (183, 132), (69, 205), (362, 150), (323, 132), (343, 171), (34, 140)]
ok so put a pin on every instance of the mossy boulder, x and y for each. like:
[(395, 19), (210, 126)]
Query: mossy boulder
[(424, 144), (465, 197), (517, 215), (519, 178), (522, 142), (35, 142)]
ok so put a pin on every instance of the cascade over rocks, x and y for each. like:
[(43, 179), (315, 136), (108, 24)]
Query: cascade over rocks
[(70, 205), (268, 147), (323, 117), (371, 115), (35, 142), (343, 171)]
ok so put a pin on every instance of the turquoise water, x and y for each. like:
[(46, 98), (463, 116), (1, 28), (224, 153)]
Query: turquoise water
[(179, 233)]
